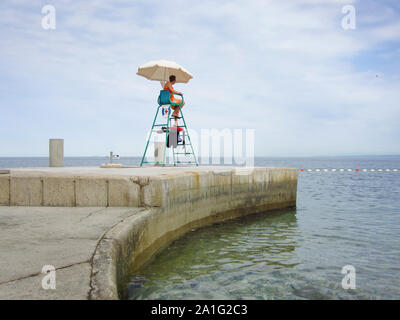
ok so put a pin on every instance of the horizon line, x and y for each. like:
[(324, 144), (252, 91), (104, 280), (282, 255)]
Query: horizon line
[(257, 156)]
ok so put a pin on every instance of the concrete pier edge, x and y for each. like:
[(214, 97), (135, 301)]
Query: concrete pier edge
[(172, 201)]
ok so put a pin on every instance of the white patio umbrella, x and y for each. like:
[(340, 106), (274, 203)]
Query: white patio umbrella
[(161, 70)]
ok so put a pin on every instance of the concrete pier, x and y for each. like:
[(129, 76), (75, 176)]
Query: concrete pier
[(66, 238), (163, 203)]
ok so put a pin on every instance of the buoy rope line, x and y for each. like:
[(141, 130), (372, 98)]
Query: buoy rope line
[(349, 170)]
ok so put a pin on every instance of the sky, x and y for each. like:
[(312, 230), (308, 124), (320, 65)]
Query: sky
[(287, 69)]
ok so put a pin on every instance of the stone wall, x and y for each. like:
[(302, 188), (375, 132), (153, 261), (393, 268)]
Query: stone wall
[(177, 203)]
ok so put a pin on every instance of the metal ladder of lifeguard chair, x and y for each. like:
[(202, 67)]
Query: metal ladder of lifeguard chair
[(181, 145)]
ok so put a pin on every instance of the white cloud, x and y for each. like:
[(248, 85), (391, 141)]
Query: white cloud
[(286, 68)]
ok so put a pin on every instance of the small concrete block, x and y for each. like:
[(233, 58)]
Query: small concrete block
[(123, 192), (56, 152), (26, 191), (91, 192), (4, 190), (58, 192)]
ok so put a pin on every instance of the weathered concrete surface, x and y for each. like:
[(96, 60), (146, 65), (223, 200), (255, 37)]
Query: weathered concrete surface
[(72, 283), (177, 203), (66, 238), (117, 187), (173, 200), (4, 189)]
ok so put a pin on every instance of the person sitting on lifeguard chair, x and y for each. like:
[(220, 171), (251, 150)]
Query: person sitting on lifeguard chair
[(169, 86)]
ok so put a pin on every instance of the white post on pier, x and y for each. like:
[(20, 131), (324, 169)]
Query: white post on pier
[(56, 152)]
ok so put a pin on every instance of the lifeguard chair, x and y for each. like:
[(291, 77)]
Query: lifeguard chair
[(176, 136)]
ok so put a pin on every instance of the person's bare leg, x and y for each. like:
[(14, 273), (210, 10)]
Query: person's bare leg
[(176, 111)]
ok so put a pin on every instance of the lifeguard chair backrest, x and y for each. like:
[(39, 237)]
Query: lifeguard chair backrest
[(164, 97)]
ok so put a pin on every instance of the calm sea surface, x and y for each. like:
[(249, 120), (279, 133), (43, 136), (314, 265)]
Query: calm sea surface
[(342, 218)]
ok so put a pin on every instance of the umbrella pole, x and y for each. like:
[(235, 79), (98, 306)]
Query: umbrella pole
[(165, 78)]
